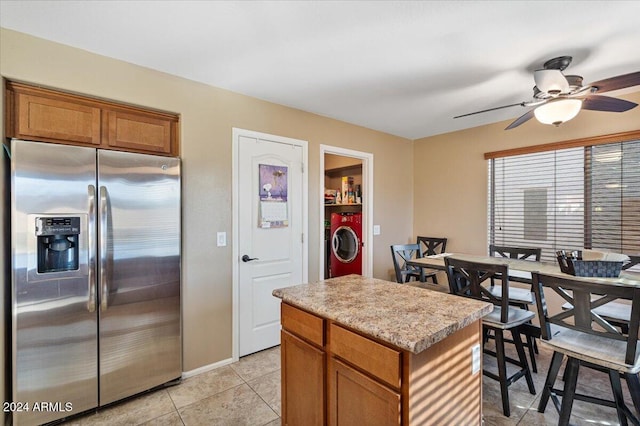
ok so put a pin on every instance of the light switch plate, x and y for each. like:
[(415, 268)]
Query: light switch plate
[(221, 237), (376, 229), (475, 359)]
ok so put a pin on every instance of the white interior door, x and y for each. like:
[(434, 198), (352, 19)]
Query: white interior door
[(271, 224)]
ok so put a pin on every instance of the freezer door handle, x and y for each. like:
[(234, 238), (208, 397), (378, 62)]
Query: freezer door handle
[(91, 303), (104, 284)]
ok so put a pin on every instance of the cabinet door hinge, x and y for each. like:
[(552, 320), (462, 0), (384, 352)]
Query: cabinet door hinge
[(302, 237), (302, 167)]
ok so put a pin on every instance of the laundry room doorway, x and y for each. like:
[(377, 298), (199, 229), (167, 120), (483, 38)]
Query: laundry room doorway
[(346, 212)]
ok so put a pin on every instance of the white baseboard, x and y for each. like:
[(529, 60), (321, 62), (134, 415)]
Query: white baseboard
[(205, 368)]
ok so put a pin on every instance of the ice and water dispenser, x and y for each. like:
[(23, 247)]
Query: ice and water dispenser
[(57, 243)]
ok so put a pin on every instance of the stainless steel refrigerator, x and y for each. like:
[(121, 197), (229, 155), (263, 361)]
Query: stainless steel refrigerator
[(95, 277)]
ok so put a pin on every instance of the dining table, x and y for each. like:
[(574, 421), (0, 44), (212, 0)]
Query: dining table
[(520, 270)]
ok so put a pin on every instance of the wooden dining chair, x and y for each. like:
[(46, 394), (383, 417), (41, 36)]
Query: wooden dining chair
[(586, 338), (431, 246), (466, 279), (401, 253)]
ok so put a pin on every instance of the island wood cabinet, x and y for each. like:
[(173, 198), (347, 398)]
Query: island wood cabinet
[(364, 380), (46, 115), (303, 367), (334, 375)]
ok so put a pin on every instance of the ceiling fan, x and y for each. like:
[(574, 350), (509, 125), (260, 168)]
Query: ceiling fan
[(558, 98)]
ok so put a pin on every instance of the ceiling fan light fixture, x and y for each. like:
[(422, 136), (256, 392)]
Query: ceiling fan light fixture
[(558, 111), (552, 82)]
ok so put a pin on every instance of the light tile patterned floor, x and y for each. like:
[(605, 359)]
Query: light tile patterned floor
[(248, 393)]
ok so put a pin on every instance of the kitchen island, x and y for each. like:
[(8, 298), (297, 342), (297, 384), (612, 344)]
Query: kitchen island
[(360, 350)]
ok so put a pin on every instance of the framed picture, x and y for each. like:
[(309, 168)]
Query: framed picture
[(273, 181)]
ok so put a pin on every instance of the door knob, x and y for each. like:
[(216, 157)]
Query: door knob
[(246, 258)]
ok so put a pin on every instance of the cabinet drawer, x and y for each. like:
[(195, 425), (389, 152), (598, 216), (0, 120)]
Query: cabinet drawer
[(374, 358), (303, 324)]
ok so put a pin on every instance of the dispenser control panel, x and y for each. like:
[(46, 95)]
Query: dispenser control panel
[(57, 240), (57, 226)]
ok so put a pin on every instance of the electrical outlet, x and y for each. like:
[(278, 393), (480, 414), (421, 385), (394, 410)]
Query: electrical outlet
[(376, 229), (222, 239), (475, 359)]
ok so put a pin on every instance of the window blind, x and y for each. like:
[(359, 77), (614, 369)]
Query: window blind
[(567, 199)]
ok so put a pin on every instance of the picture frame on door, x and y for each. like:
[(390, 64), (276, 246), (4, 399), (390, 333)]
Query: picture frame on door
[(273, 188)]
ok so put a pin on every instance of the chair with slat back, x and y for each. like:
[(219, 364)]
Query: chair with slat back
[(588, 339), (466, 279), (401, 253), (431, 246), (519, 297), (520, 253)]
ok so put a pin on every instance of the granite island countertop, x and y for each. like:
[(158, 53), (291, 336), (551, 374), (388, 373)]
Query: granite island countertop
[(410, 318)]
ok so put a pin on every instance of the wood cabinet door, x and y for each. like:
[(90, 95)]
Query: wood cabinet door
[(52, 119), (356, 399), (303, 389), (47, 115), (139, 132)]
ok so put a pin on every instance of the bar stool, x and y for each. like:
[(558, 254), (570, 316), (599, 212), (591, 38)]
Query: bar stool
[(431, 246), (465, 279), (519, 297), (400, 254), (588, 339)]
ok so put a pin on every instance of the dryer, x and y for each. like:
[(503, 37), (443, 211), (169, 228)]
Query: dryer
[(346, 244)]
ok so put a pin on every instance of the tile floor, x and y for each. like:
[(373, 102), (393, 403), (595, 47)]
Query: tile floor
[(248, 393)]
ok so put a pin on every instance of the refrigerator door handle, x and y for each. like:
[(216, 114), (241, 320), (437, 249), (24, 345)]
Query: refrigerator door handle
[(104, 284), (91, 303)]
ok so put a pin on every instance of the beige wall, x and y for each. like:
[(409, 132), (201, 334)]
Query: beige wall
[(450, 172), (207, 117)]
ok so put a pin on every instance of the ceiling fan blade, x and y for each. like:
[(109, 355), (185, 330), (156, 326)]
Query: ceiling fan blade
[(607, 103), (551, 81), (522, 119), (619, 82), (490, 109)]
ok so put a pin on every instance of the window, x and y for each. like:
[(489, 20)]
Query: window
[(567, 199)]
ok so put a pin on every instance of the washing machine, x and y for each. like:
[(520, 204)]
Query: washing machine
[(346, 244)]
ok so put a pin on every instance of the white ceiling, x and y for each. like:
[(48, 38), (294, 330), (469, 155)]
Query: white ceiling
[(405, 68)]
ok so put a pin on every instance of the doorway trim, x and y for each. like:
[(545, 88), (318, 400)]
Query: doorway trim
[(367, 206), (235, 196)]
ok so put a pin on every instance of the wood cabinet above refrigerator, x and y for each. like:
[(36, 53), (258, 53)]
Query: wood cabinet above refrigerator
[(47, 115)]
